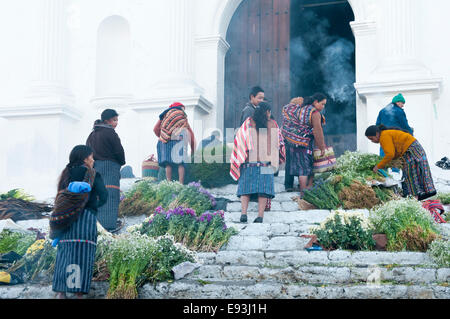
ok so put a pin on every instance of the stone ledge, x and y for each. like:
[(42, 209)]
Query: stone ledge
[(245, 290)]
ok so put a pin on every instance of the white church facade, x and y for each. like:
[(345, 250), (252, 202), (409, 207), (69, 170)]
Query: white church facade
[(63, 61)]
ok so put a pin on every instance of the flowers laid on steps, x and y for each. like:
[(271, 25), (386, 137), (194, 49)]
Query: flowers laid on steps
[(133, 259), (146, 195), (15, 241), (207, 232), (440, 252), (351, 184), (407, 225), (345, 230)]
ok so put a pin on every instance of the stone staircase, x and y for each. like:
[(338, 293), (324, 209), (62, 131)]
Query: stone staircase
[(269, 261)]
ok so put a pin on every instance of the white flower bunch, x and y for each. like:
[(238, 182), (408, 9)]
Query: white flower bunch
[(182, 248), (345, 220), (134, 228)]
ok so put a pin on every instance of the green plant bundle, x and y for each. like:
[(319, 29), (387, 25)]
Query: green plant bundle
[(17, 194), (132, 259), (190, 197), (15, 241), (444, 198), (39, 259), (205, 233), (439, 252), (344, 230), (323, 196), (406, 224)]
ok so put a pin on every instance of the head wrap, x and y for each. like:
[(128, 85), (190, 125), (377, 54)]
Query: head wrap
[(175, 104)]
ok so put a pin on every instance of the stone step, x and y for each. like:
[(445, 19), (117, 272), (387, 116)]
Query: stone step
[(294, 217), (187, 289), (194, 290), (265, 243), (320, 274), (316, 258)]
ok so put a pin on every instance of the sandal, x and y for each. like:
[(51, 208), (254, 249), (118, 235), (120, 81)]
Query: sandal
[(258, 220)]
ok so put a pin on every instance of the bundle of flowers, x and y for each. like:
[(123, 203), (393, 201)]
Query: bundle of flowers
[(145, 196), (207, 232), (194, 196), (39, 259), (444, 198), (350, 185), (345, 230), (15, 241), (211, 167), (407, 225), (440, 252), (134, 258)]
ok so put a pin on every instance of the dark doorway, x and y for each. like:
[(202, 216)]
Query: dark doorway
[(294, 48), (322, 59)]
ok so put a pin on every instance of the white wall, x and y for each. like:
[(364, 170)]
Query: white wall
[(126, 88)]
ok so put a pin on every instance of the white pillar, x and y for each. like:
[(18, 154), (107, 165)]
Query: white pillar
[(51, 64), (179, 80), (398, 47)]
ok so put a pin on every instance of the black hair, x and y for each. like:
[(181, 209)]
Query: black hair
[(308, 100), (260, 115), (76, 158), (108, 114), (318, 97), (374, 129), (255, 90)]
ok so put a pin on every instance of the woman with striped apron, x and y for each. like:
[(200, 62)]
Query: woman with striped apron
[(73, 223), (258, 148), (109, 156), (397, 143)]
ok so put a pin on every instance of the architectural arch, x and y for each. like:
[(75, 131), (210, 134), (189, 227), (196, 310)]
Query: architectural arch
[(113, 60)]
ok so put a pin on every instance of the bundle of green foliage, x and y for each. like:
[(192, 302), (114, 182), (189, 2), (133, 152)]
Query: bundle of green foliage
[(147, 195), (17, 194), (444, 198), (407, 225), (15, 241), (130, 260), (207, 232), (211, 166), (345, 230), (440, 252)]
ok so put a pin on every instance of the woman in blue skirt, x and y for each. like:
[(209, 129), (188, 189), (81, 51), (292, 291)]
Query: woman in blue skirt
[(257, 141), (77, 244), (109, 156)]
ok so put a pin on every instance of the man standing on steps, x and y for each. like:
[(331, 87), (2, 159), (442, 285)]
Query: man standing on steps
[(256, 97), (393, 115)]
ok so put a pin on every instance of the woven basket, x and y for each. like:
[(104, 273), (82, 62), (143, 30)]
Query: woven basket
[(150, 167)]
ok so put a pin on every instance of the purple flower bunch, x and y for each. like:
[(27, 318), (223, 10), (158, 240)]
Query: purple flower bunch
[(208, 216), (179, 211), (204, 191)]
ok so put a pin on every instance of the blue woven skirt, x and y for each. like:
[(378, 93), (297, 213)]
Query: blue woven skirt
[(171, 153), (107, 214), (301, 161), (256, 181), (75, 256)]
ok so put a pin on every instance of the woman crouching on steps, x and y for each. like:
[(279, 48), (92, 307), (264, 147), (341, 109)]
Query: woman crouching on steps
[(396, 143), (73, 224), (256, 157)]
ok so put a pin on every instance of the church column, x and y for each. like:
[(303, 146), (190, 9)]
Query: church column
[(180, 76), (398, 47), (51, 64)]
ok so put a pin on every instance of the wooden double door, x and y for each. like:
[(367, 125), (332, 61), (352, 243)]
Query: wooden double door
[(259, 35)]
